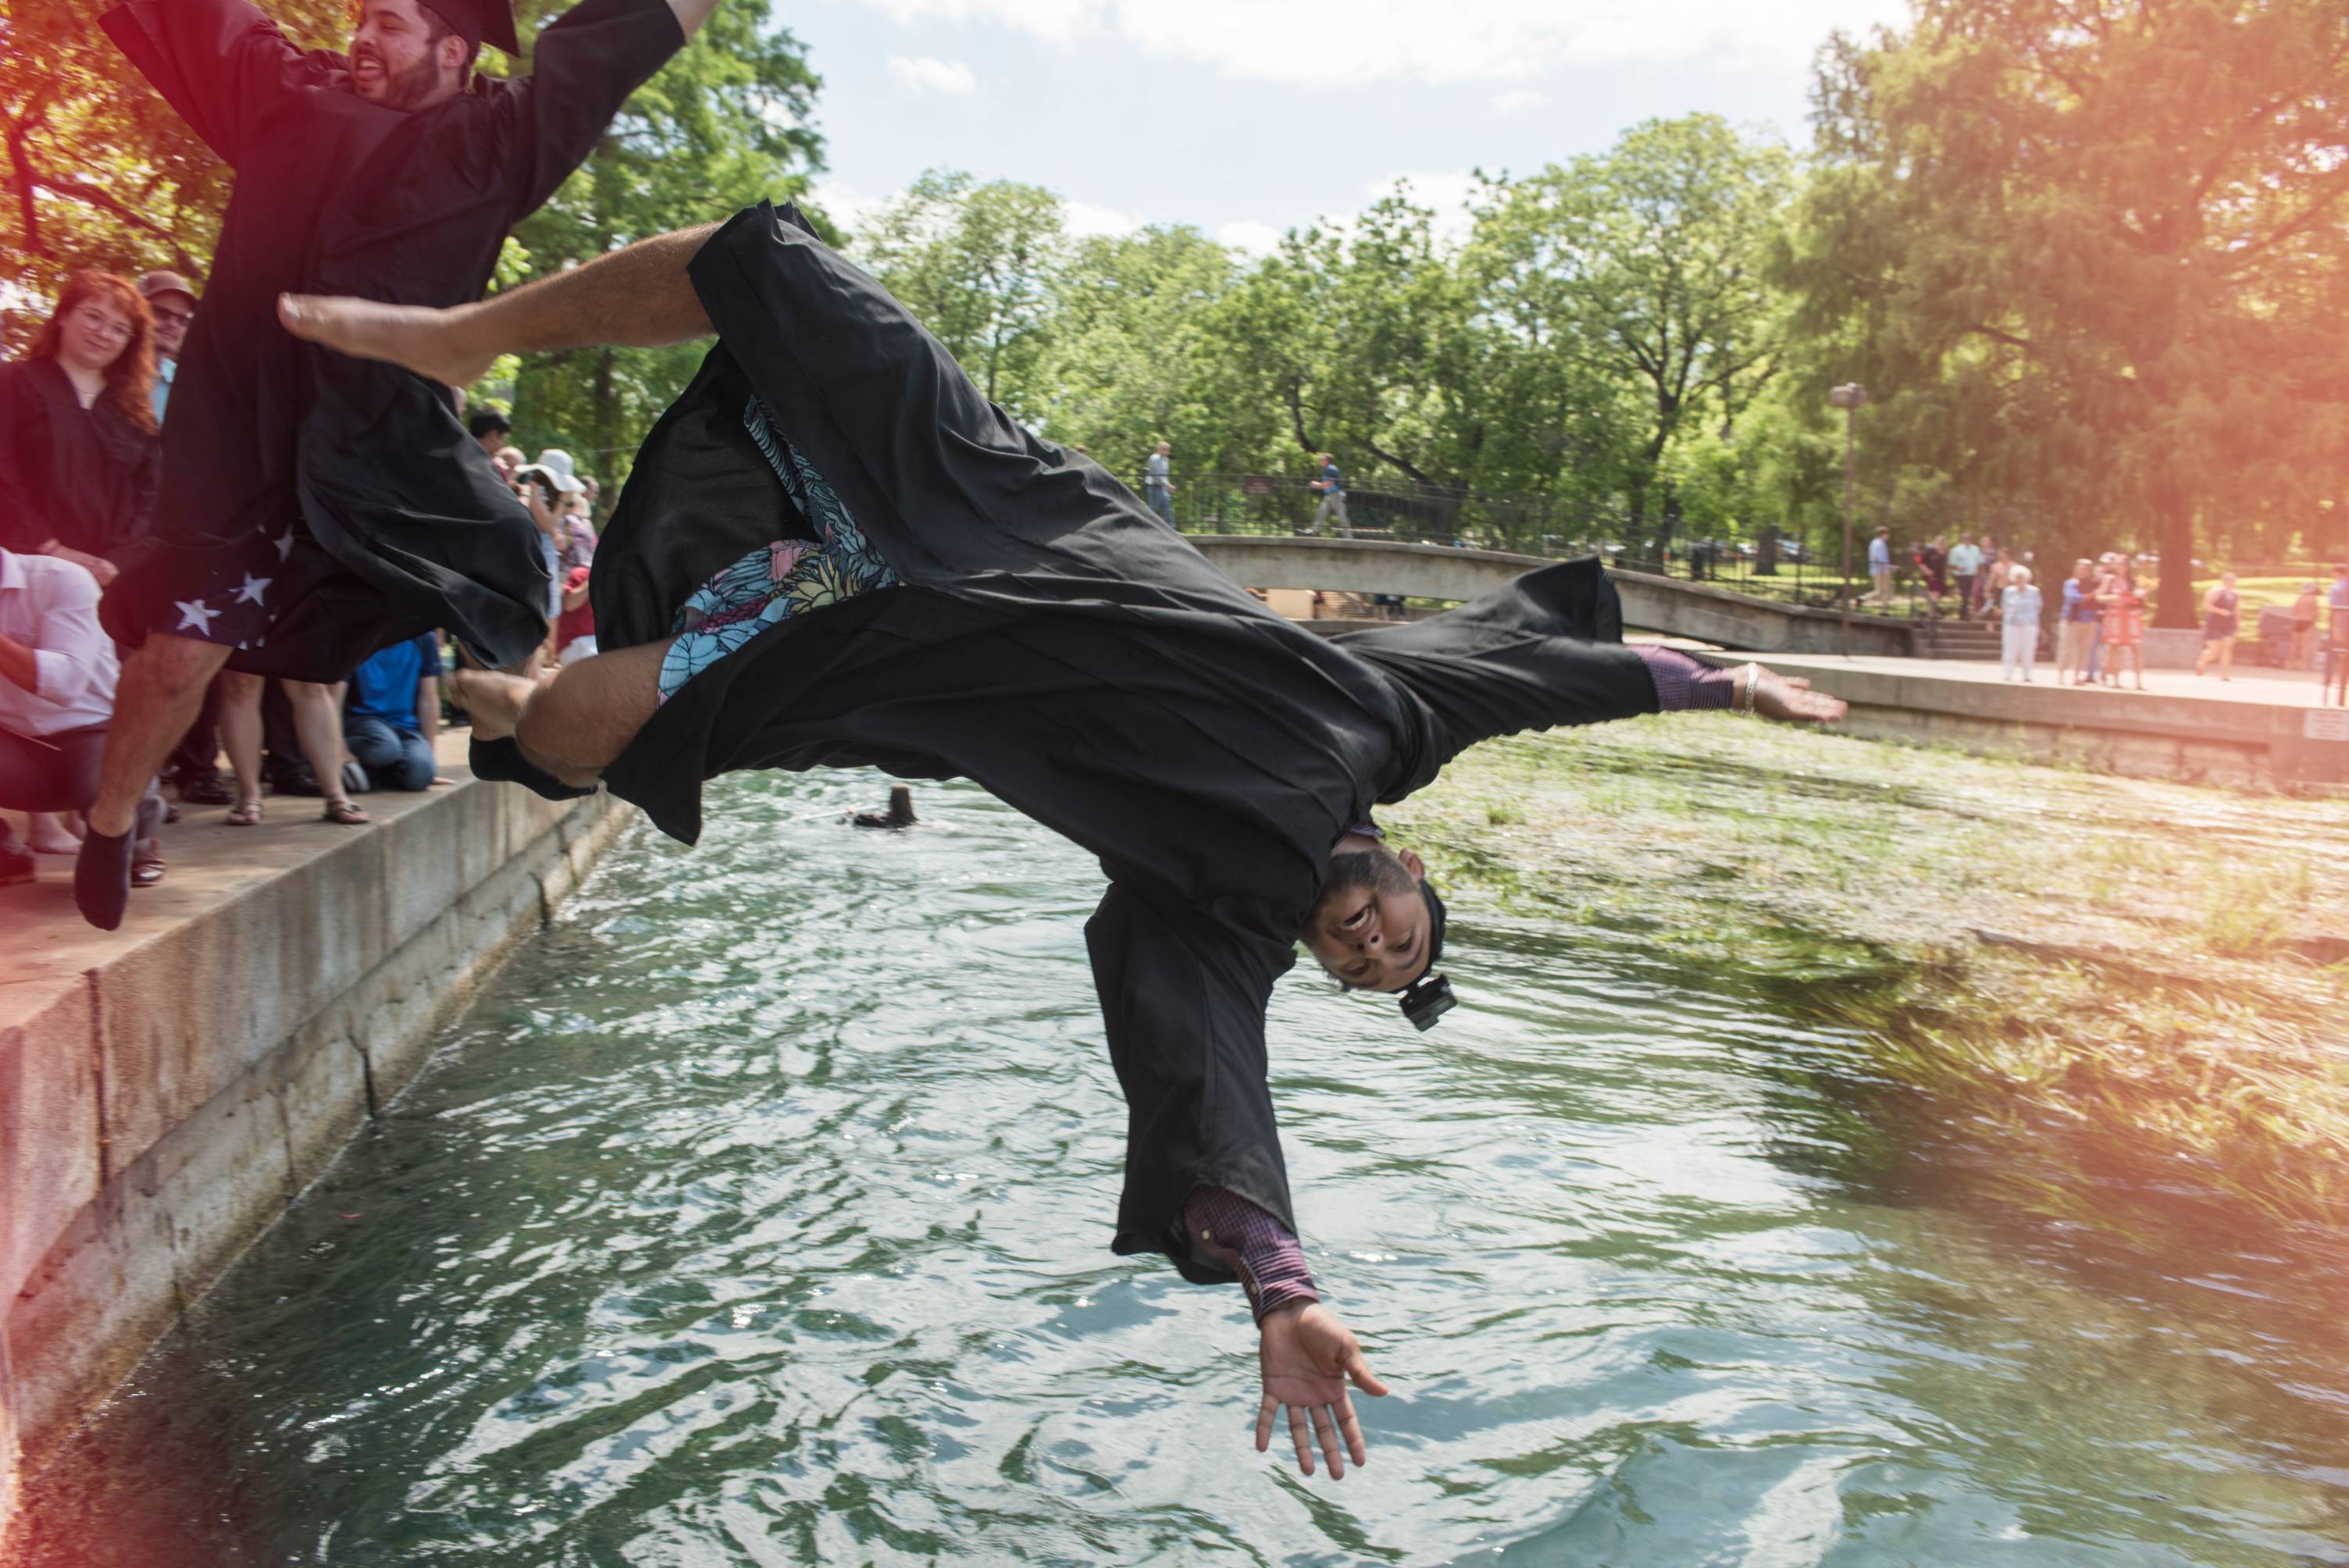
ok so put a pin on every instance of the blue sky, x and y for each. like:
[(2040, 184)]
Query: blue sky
[(1246, 117)]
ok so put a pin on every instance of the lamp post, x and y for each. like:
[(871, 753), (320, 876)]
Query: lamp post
[(1849, 397)]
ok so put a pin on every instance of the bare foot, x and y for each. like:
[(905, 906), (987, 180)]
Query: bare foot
[(50, 833), (493, 700), (423, 340)]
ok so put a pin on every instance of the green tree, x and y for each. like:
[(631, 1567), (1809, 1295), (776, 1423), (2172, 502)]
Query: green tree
[(2089, 255), (1645, 265), (976, 264)]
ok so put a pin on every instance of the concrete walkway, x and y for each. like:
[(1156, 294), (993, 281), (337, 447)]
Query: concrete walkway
[(2291, 688)]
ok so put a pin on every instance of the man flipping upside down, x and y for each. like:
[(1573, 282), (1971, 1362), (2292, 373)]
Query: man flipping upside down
[(834, 552)]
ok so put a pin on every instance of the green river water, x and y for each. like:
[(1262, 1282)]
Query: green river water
[(758, 1214)]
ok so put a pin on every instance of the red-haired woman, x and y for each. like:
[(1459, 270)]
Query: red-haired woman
[(78, 460), (79, 451)]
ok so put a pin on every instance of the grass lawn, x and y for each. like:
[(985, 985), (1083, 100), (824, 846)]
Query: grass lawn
[(2171, 967)]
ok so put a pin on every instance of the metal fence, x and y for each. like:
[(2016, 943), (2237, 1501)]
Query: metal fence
[(1407, 513)]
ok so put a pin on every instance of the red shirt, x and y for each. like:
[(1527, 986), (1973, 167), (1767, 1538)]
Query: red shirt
[(573, 624)]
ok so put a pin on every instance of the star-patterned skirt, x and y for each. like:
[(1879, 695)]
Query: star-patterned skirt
[(777, 581), (246, 591)]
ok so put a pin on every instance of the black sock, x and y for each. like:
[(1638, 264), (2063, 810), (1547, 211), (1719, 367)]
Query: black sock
[(102, 877), (502, 759)]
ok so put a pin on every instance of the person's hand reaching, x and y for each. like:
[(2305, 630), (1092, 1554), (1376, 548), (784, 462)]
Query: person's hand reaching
[(1306, 1356), (1790, 699)]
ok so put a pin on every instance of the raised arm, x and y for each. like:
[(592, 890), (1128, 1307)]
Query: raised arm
[(222, 64), (1183, 999), (583, 66)]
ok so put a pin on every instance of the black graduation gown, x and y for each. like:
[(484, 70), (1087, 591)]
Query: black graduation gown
[(1056, 643), (83, 476), (335, 195)]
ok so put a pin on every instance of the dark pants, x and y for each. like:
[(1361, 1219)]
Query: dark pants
[(198, 753), (395, 759), (59, 773)]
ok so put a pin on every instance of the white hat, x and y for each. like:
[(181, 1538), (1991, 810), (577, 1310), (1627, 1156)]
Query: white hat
[(558, 467)]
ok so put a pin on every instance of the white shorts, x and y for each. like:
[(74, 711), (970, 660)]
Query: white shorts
[(576, 649)]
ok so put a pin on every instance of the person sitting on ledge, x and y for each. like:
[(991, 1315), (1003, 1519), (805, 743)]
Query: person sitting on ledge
[(834, 552)]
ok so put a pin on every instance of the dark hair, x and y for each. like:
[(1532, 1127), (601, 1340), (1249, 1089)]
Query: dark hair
[(130, 379), (437, 28), (484, 420), (1375, 870)]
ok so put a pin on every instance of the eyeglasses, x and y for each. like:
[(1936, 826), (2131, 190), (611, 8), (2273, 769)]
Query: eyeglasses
[(176, 317), (112, 327)]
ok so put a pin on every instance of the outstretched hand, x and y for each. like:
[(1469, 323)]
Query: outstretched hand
[(1790, 700), (1307, 1355)]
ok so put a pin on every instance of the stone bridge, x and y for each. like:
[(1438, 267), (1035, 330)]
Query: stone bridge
[(1666, 605)]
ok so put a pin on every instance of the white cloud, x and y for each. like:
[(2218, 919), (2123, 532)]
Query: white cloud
[(845, 205), (925, 74), (1247, 234), (1353, 42), (1518, 100), (1445, 189), (1086, 218)]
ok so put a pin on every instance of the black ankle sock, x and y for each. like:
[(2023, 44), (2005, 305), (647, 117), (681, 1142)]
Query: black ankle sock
[(102, 877), (502, 759)]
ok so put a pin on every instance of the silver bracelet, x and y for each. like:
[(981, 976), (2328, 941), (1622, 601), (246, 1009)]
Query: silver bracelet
[(1752, 681)]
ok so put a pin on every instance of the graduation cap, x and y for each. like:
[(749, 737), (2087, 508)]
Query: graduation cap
[(1430, 997), (478, 22)]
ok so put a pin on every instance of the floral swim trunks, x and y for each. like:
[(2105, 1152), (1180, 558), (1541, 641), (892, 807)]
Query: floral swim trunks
[(777, 580)]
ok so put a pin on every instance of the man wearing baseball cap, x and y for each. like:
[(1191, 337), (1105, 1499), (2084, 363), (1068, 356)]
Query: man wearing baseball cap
[(315, 508)]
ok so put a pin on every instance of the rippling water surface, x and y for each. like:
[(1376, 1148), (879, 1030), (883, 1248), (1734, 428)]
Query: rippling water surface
[(758, 1215)]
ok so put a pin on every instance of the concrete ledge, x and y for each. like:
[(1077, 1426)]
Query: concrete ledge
[(166, 1089), (1683, 609), (2196, 736)]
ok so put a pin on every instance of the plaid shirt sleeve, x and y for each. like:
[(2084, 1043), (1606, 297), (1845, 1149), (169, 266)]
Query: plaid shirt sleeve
[(1251, 1244)]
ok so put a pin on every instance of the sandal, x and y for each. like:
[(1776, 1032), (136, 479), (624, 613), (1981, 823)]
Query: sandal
[(344, 814), (146, 867), (245, 814)]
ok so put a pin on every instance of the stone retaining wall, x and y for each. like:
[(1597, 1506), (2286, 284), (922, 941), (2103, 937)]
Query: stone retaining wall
[(159, 1109)]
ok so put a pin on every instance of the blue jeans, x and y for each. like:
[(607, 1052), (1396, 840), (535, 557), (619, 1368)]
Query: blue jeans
[(395, 759), (1163, 503)]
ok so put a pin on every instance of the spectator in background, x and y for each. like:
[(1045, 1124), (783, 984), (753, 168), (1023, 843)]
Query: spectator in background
[(2077, 628), (546, 489), (578, 529), (2018, 618), (2122, 630), (394, 715), (1157, 487), (1991, 581), (2303, 630), (79, 451), (509, 462), (1933, 562), (491, 427), (193, 766), (1879, 566), (1965, 572), (595, 489), (1332, 486), (2221, 619), (575, 629), (2335, 681), (56, 695)]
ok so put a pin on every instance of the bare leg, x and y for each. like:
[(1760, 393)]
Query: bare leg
[(636, 297), (319, 721), (240, 727), (161, 687), (576, 723)]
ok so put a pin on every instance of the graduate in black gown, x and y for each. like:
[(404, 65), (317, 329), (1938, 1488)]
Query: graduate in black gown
[(834, 552), (315, 508)]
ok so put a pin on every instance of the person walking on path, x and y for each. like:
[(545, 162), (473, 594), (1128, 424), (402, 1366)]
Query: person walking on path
[(2018, 619), (832, 551), (2334, 682), (2303, 629), (315, 508), (1157, 484), (2077, 625), (2221, 619), (1879, 567), (1332, 488), (2123, 627)]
